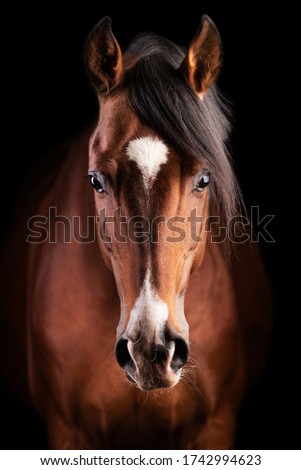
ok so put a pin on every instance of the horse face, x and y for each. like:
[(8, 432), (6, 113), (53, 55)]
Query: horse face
[(151, 209), (152, 203)]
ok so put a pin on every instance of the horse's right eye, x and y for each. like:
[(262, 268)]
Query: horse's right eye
[(97, 180)]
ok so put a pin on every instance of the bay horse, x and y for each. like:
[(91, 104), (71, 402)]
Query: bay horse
[(134, 314)]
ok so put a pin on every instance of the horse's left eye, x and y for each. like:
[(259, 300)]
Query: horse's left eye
[(202, 181)]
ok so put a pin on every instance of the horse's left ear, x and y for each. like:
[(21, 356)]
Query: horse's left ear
[(203, 60), (103, 57)]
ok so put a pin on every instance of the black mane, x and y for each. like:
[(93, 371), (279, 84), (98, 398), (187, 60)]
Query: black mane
[(162, 98)]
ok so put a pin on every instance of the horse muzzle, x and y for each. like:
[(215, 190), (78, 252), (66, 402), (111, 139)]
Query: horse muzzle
[(152, 364)]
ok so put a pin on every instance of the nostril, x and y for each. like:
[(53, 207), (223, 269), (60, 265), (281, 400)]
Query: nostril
[(122, 353), (180, 355)]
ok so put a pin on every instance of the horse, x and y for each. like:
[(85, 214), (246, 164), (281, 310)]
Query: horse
[(136, 311)]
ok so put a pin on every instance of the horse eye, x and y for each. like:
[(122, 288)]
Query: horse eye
[(97, 180), (202, 181)]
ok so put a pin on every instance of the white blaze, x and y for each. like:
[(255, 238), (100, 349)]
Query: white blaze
[(149, 153), (149, 310)]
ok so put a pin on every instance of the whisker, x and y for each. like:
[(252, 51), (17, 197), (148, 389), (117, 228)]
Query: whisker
[(139, 339)]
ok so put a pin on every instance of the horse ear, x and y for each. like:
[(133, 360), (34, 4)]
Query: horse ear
[(103, 57), (203, 60)]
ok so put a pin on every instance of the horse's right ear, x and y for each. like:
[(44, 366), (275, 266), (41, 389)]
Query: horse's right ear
[(103, 57)]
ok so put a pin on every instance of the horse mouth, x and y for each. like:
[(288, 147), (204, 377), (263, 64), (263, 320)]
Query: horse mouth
[(147, 382)]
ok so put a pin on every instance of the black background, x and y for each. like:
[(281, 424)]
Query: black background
[(49, 99)]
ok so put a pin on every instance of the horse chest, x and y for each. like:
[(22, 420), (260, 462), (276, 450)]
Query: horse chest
[(131, 419), (138, 424)]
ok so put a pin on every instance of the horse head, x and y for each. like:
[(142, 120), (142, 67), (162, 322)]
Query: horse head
[(157, 161)]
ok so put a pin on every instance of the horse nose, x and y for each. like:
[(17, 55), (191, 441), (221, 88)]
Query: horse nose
[(172, 352)]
